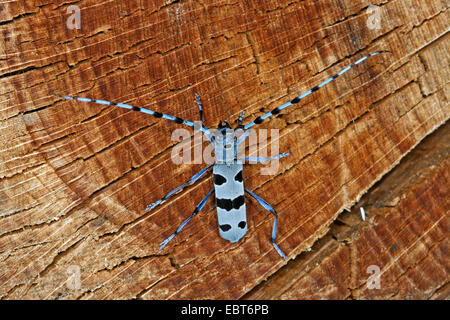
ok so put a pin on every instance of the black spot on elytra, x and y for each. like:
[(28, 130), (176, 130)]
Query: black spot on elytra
[(315, 88), (219, 180), (238, 202), (179, 120), (225, 227), (157, 115), (228, 204), (136, 109), (238, 177), (242, 224)]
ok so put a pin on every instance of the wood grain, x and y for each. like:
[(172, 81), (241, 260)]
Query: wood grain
[(405, 235), (75, 177)]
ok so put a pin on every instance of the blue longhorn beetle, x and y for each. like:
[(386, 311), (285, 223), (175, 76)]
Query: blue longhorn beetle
[(227, 169)]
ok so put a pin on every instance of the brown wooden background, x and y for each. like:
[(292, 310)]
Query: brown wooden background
[(75, 177)]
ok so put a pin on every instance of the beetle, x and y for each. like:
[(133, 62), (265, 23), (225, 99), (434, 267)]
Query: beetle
[(228, 168)]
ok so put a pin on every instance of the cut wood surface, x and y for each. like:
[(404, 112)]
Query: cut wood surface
[(76, 177), (404, 237)]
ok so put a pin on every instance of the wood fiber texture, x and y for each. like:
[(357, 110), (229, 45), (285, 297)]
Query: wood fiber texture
[(76, 177), (405, 234)]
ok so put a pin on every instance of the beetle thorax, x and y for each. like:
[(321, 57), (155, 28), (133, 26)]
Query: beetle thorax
[(225, 146)]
